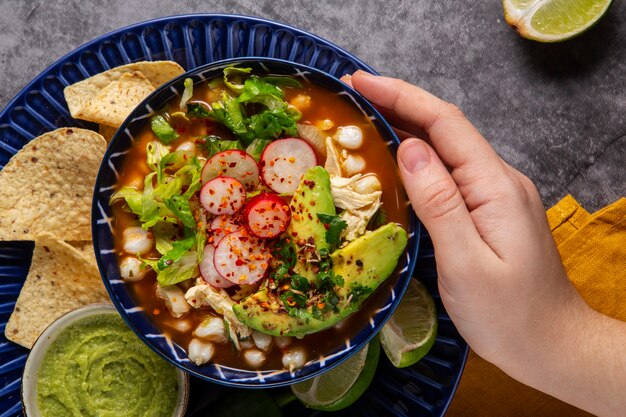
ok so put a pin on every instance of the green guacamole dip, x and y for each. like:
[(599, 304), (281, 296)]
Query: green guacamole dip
[(98, 367)]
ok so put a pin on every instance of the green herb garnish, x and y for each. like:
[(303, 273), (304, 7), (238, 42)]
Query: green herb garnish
[(334, 226)]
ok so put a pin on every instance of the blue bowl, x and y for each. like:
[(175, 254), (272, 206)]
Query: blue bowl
[(107, 259)]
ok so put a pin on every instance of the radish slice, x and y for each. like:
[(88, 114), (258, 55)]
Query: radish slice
[(267, 215), (241, 258), (235, 164), (208, 272), (223, 225), (222, 195), (284, 162)]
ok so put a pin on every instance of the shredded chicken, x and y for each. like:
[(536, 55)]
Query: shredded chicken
[(203, 294), (346, 196), (332, 165), (359, 203)]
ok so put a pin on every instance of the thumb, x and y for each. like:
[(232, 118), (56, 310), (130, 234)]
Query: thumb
[(436, 199)]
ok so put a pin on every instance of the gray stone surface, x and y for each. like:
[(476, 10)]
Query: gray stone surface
[(555, 112)]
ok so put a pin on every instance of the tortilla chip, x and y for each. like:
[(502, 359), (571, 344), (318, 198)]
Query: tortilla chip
[(48, 186), (115, 101), (80, 94), (107, 132), (60, 280), (86, 249)]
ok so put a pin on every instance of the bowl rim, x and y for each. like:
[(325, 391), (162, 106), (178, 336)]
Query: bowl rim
[(28, 384), (414, 224)]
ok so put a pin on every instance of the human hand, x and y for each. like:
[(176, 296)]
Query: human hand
[(500, 275), (501, 279)]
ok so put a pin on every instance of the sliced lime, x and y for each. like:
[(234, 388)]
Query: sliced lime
[(411, 331), (343, 385), (553, 20)]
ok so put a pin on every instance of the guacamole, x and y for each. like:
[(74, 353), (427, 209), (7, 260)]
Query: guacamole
[(98, 367)]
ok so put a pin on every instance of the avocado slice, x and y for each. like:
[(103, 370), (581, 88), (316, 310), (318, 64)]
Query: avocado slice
[(364, 264), (312, 197)]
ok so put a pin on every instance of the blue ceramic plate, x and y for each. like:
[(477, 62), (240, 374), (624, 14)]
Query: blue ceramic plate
[(424, 389), (136, 317)]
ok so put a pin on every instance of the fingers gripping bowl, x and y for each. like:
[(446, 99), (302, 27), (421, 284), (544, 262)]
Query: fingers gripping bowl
[(267, 179)]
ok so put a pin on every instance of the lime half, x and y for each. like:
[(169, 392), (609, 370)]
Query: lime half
[(553, 20), (411, 331), (343, 385)]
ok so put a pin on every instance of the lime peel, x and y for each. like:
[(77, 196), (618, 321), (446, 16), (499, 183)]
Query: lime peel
[(342, 386), (411, 332), (553, 20)]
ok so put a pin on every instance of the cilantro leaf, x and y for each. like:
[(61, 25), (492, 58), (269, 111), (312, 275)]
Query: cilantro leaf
[(358, 291), (334, 226), (198, 111), (299, 283)]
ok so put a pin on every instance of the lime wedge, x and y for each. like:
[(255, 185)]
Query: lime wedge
[(411, 331), (343, 385), (553, 20)]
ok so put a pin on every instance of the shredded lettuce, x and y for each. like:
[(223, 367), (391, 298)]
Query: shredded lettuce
[(271, 124), (200, 242), (215, 144), (178, 250), (187, 93), (162, 129), (149, 205), (131, 195), (282, 81), (233, 77), (172, 162), (155, 151), (257, 91), (185, 268), (230, 113), (256, 147), (179, 205), (164, 236), (275, 118)]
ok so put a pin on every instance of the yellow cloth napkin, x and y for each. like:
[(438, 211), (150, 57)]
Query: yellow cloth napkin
[(593, 250)]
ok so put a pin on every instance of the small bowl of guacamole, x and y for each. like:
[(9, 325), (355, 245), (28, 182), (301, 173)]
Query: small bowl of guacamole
[(89, 363)]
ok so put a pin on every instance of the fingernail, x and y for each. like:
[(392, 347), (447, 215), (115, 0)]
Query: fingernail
[(414, 155), (364, 73)]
